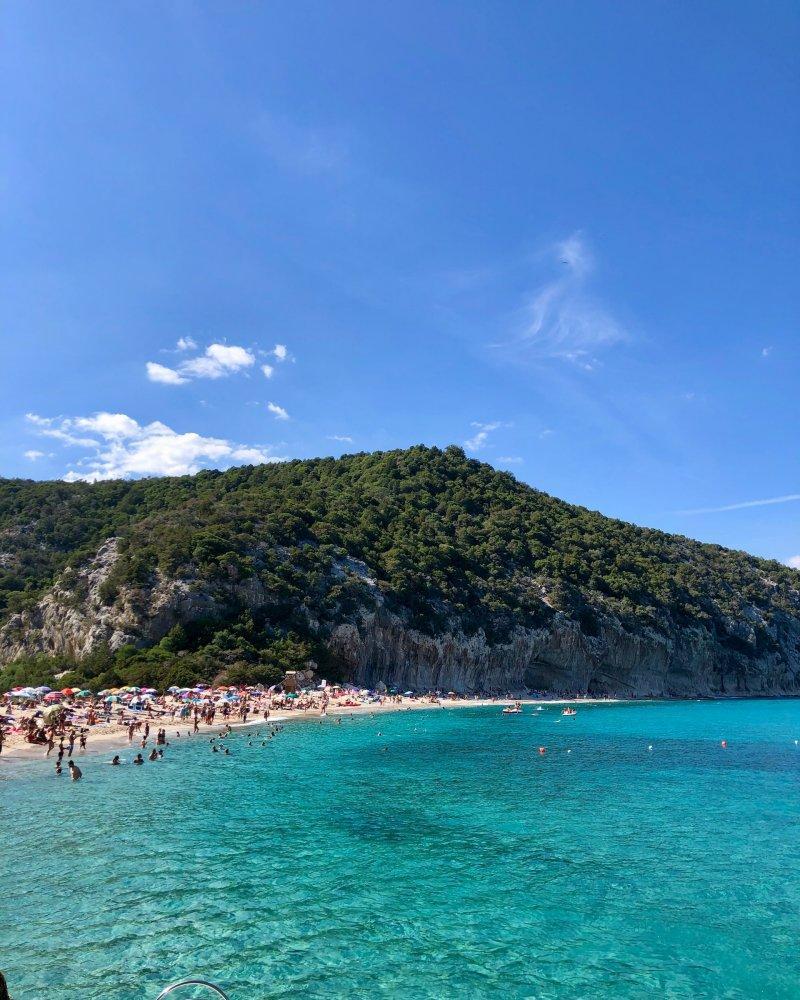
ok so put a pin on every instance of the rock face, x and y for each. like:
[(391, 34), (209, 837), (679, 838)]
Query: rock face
[(75, 617), (377, 644), (379, 647)]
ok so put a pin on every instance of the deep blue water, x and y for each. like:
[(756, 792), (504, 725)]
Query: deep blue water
[(420, 854)]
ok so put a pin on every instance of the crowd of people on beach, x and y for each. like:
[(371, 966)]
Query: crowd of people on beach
[(61, 723)]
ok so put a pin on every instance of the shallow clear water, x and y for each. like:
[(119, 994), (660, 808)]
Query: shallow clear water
[(420, 854)]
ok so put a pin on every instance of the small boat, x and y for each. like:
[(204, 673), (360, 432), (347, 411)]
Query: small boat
[(513, 709), (570, 711)]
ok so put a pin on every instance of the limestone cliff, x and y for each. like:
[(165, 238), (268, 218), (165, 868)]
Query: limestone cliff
[(375, 641)]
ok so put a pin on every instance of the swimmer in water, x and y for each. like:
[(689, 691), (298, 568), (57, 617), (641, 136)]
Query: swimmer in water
[(138, 759), (115, 760), (74, 771)]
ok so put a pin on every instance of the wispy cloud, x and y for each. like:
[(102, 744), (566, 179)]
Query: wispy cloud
[(563, 321), (341, 438), (122, 448), (302, 149), (59, 429), (33, 455), (743, 505), (277, 411), (766, 351), (794, 562), (186, 344), (481, 436), (510, 460)]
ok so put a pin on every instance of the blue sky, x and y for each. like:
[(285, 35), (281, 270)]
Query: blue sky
[(562, 234)]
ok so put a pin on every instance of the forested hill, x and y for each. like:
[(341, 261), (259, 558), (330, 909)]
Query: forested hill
[(258, 568)]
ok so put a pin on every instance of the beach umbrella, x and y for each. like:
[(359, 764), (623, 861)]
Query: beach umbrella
[(84, 693), (113, 698), (53, 696), (43, 689), (68, 691)]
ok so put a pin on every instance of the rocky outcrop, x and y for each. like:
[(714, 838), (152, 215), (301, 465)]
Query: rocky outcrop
[(379, 647), (376, 644), (76, 617)]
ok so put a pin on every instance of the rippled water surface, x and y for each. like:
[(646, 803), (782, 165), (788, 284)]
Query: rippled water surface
[(420, 854)]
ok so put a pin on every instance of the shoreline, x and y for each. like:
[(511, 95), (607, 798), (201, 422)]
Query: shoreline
[(106, 741), (114, 738)]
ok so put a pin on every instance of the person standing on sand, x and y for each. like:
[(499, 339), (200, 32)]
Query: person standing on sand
[(74, 771)]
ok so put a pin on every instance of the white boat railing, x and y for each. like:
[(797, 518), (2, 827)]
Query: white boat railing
[(192, 982)]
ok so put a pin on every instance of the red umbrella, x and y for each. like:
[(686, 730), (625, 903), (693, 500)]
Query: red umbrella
[(54, 696)]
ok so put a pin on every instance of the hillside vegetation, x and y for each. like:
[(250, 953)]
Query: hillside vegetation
[(449, 543)]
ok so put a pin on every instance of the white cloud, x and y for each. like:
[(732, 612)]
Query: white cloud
[(33, 455), (59, 430), (563, 322), (788, 498), (280, 352), (109, 425), (268, 371), (574, 253), (278, 411), (341, 438), (217, 361), (160, 373), (765, 352), (186, 344), (794, 562), (479, 439), (511, 460), (124, 449)]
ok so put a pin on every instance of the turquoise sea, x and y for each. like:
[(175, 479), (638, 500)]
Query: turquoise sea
[(420, 854)]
